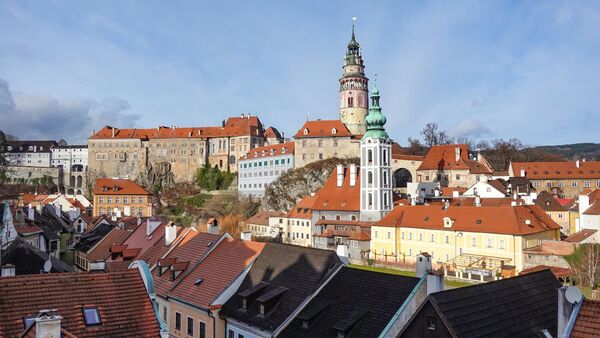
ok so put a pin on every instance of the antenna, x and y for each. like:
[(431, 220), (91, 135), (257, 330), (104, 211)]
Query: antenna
[(307, 115)]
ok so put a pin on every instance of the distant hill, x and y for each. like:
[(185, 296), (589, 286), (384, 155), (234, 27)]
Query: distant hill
[(576, 151)]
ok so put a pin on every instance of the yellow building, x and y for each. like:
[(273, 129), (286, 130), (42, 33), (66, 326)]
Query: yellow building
[(465, 240), (121, 197)]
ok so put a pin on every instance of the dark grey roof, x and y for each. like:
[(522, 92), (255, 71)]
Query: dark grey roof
[(294, 272), (23, 146), (520, 306), (28, 259), (89, 239), (356, 301), (547, 202), (49, 234)]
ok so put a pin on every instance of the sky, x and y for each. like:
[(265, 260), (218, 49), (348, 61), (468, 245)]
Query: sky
[(480, 69)]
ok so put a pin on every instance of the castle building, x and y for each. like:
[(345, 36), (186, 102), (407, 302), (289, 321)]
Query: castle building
[(375, 165), (354, 90)]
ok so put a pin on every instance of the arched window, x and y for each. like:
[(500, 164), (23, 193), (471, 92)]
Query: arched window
[(385, 178), (338, 217), (370, 200), (323, 217), (370, 177), (369, 155), (350, 102), (385, 162)]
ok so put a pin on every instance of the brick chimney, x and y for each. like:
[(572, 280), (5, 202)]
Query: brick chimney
[(47, 324)]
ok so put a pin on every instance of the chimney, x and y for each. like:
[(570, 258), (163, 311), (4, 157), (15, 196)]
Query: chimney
[(457, 153), (340, 175), (30, 212), (246, 235), (47, 324), (57, 209), (577, 163), (435, 282), (455, 193), (113, 132), (151, 225), (352, 174), (477, 201), (423, 266), (342, 252), (436, 192), (569, 300), (170, 233), (212, 227), (522, 172)]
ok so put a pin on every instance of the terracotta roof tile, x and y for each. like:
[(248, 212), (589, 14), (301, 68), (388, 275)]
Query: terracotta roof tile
[(102, 249), (500, 220), (556, 170), (580, 236), (303, 209), (140, 242), (262, 217), (557, 248), (106, 186), (587, 324), (557, 271), (594, 209), (121, 298), (344, 198), (270, 150), (323, 128)]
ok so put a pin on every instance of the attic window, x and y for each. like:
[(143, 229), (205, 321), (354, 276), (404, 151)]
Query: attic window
[(334, 131), (478, 221), (426, 218), (305, 131), (91, 316)]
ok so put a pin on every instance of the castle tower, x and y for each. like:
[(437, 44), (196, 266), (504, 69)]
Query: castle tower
[(375, 165), (354, 89)]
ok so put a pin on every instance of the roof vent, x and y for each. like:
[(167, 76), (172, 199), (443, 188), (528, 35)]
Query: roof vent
[(528, 222), (198, 281)]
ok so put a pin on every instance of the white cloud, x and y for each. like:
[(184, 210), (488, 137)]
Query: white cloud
[(471, 128)]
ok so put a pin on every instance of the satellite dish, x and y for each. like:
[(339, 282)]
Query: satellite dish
[(47, 266), (573, 294)]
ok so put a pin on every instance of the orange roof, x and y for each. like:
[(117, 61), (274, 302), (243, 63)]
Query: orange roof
[(587, 323), (118, 186), (138, 242), (556, 170), (498, 220), (323, 128), (272, 132), (216, 272), (486, 202), (272, 150), (580, 235), (407, 157), (262, 217), (235, 126), (344, 198), (556, 248), (303, 209), (121, 298), (443, 157), (558, 272)]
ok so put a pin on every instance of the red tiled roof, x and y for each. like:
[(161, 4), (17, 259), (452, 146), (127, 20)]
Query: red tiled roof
[(123, 304), (594, 209), (344, 198), (140, 241), (217, 271), (235, 126), (271, 150), (486, 202), (102, 249), (323, 128), (303, 209), (262, 217), (272, 132), (159, 249), (190, 248), (500, 220), (557, 248), (556, 170), (587, 324), (558, 272), (580, 236), (26, 229), (105, 186), (443, 157)]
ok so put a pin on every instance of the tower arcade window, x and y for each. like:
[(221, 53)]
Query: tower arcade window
[(350, 102), (370, 156)]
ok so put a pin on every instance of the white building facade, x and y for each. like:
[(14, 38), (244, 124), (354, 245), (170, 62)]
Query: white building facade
[(263, 165), (73, 162)]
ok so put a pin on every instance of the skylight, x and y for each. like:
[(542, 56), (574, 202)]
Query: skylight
[(28, 321), (198, 281), (91, 316)]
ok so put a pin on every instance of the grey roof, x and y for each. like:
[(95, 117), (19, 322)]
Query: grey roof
[(23, 146), (520, 306), (359, 302), (89, 239), (294, 272), (28, 259)]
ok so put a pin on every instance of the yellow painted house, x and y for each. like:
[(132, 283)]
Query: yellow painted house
[(468, 241)]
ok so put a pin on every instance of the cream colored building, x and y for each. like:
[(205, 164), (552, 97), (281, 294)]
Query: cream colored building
[(323, 139), (462, 239)]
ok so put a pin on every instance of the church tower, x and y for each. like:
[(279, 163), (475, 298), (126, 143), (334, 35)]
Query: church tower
[(354, 89), (375, 165)]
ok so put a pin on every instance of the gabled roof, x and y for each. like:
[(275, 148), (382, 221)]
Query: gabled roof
[(121, 298), (323, 128), (499, 220), (444, 157), (270, 150), (580, 236), (594, 209), (160, 248), (303, 209), (361, 301), (28, 259), (557, 271), (557, 248), (118, 186), (102, 249), (262, 217), (547, 202), (520, 306), (207, 280), (141, 242), (89, 239), (334, 198), (281, 266), (272, 132), (587, 324), (556, 170)]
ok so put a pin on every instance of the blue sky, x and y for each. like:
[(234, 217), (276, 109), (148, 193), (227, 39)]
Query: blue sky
[(483, 69)]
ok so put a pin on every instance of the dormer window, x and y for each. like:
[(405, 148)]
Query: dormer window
[(334, 131), (91, 316), (305, 131)]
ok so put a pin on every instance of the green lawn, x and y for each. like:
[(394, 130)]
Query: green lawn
[(450, 284)]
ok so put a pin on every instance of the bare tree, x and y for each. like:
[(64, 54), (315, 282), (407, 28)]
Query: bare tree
[(585, 261), (432, 135)]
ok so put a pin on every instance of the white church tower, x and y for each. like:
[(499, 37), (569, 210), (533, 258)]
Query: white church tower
[(375, 165)]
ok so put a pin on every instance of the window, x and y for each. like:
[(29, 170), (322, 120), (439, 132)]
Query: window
[(140, 199), (101, 200), (177, 321), (350, 102), (389, 235), (369, 156), (231, 334), (402, 235), (91, 316), (109, 199), (501, 244), (431, 323), (190, 326), (474, 242), (124, 200), (202, 329), (132, 199), (421, 237), (432, 239), (447, 241), (117, 200), (370, 177), (164, 316), (574, 183), (489, 243), (375, 233)]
